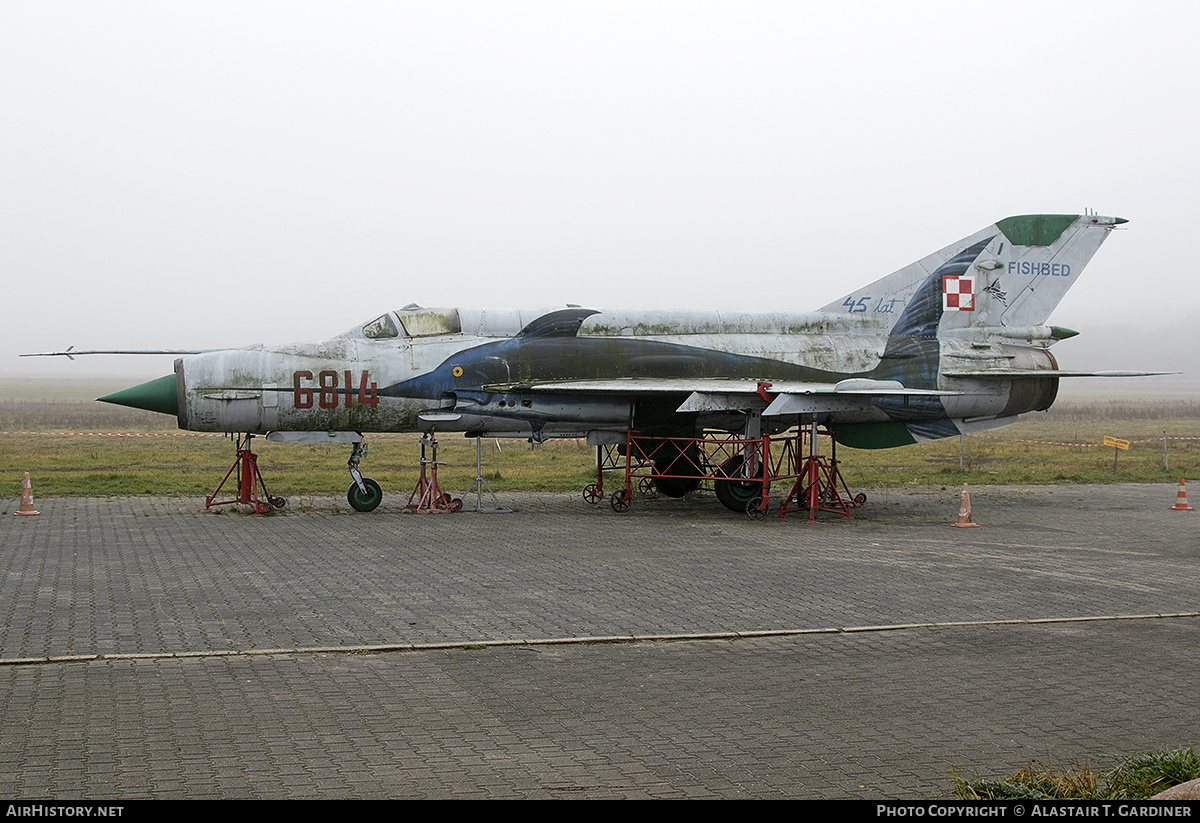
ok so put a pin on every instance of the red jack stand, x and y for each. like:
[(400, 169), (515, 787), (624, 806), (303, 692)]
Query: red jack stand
[(816, 489), (249, 479), (820, 486), (428, 494)]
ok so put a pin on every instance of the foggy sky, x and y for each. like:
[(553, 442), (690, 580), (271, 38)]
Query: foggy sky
[(215, 174)]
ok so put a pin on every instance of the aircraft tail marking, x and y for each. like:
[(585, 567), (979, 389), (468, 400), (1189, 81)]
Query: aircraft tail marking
[(1010, 274)]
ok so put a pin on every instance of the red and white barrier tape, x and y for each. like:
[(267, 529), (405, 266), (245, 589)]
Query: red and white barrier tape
[(1083, 445), (121, 434)]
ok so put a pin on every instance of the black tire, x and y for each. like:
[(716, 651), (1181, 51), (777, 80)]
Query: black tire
[(681, 462), (735, 494), (672, 458), (676, 486), (368, 502)]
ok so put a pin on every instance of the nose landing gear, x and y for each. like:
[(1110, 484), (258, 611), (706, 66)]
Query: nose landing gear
[(364, 494)]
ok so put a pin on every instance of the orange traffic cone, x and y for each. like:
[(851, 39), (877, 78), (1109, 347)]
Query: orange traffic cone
[(964, 512), (26, 506), (1181, 504)]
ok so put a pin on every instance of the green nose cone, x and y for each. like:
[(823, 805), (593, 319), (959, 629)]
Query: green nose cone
[(156, 396)]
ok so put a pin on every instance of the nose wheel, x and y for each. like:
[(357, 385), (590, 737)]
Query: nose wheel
[(365, 499), (364, 494)]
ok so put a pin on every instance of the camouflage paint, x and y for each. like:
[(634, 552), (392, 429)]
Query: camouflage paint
[(474, 369)]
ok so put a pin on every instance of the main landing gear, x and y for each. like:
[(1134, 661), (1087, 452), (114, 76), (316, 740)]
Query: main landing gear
[(743, 471)]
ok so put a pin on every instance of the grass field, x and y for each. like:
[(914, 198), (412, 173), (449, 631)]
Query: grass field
[(1139, 776), (49, 430)]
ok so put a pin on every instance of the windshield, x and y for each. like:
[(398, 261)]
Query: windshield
[(380, 328)]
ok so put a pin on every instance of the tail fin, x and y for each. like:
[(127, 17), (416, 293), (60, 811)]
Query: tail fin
[(1018, 270)]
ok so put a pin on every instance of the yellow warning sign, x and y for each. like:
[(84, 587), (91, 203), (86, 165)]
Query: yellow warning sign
[(1116, 443)]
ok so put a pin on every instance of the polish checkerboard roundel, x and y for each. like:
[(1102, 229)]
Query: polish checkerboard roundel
[(958, 292)]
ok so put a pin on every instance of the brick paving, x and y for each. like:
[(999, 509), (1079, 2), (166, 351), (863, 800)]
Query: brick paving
[(149, 650)]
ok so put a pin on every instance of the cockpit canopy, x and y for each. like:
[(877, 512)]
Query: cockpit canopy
[(415, 322), (381, 328)]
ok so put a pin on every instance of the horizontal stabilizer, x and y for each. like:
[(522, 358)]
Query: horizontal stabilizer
[(1009, 374)]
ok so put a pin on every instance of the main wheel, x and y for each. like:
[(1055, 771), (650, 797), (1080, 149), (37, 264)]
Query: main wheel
[(676, 486), (685, 462), (734, 494), (365, 502)]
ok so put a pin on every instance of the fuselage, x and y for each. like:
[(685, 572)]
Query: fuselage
[(495, 372)]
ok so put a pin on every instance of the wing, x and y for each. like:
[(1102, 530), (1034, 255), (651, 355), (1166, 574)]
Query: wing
[(780, 398)]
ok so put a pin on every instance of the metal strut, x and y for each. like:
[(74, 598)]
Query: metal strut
[(364, 494), (480, 484), (357, 452), (741, 469)]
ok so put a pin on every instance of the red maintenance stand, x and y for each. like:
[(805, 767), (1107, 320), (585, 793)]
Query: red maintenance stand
[(249, 480), (428, 494), (819, 486), (610, 457), (741, 470)]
